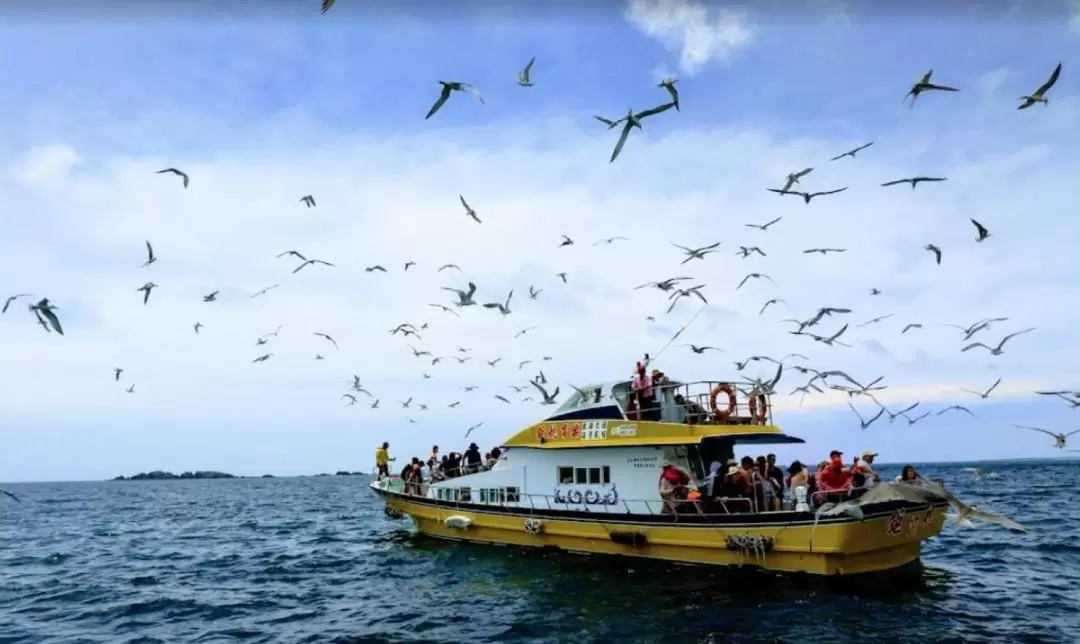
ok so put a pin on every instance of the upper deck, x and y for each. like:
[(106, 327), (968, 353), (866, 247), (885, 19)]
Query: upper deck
[(679, 413)]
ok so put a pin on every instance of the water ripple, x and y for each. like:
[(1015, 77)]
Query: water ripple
[(314, 560)]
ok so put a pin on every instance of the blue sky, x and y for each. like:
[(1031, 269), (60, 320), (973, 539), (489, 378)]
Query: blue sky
[(261, 105)]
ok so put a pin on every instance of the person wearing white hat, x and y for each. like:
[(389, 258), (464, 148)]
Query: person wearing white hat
[(865, 466)]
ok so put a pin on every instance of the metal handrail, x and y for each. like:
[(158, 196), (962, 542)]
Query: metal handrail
[(551, 502), (701, 399)]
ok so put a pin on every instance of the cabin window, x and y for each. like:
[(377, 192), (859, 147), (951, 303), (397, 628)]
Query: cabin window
[(499, 495), (465, 495), (446, 493), (585, 475)]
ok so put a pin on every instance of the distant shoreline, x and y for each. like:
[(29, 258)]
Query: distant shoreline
[(879, 465), (162, 475)]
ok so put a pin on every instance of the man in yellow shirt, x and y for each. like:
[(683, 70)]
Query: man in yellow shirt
[(382, 460)]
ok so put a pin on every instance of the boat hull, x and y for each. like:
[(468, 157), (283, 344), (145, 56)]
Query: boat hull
[(887, 538)]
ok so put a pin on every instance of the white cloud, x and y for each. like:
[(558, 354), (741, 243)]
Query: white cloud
[(46, 165), (396, 199), (699, 33)]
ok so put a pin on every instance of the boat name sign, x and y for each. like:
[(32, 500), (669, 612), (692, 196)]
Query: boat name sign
[(559, 430)]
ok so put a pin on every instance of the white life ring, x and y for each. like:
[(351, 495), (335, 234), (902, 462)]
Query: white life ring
[(535, 527)]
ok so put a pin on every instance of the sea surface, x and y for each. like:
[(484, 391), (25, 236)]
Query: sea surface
[(315, 560)]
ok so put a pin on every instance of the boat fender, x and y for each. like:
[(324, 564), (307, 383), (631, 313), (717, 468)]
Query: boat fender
[(592, 497), (759, 407), (392, 513), (457, 521), (534, 527), (574, 496), (722, 414), (635, 539)]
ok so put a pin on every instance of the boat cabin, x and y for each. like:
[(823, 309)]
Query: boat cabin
[(596, 453), (673, 402)]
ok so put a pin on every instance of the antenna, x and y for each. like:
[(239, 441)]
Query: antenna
[(674, 337)]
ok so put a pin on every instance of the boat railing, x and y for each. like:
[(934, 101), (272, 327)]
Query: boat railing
[(608, 504), (706, 402)]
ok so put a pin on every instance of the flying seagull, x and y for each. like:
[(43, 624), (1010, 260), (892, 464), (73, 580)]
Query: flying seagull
[(981, 230), (332, 341), (116, 373), (447, 89), (262, 358), (10, 495), (763, 226), (131, 389), (197, 326), (408, 264), (566, 241), (525, 77), (295, 253), (700, 350), (12, 299), (924, 85), (308, 201), (262, 292), (775, 300), (503, 308), (177, 173), (865, 424), (1040, 94), (669, 85), (211, 297), (914, 181), (326, 4), (549, 399), (469, 212), (1059, 439), (146, 288), (465, 298), (793, 178), (996, 351), (696, 253), (936, 251), (446, 266), (852, 153), (633, 120), (533, 292), (309, 263), (150, 255), (754, 275), (984, 394), (807, 196), (470, 430), (824, 251), (376, 267)]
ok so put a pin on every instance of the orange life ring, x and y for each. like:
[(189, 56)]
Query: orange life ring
[(759, 407), (722, 414)]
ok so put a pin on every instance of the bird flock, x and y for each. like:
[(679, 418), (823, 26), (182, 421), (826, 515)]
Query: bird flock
[(532, 384)]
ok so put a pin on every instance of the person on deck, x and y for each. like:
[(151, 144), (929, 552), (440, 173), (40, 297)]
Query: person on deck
[(473, 459), (834, 481), (674, 487), (641, 386), (382, 460)]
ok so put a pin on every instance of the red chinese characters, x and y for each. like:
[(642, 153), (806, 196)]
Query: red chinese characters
[(549, 431), (895, 522), (575, 431)]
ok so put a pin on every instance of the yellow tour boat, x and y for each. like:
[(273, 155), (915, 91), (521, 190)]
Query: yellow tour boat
[(587, 480)]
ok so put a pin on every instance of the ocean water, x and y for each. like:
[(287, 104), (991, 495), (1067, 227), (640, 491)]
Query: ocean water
[(315, 560)]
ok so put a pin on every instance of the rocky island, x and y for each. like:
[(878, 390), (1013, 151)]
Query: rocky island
[(158, 475)]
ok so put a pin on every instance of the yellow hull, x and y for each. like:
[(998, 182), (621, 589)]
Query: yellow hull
[(846, 547)]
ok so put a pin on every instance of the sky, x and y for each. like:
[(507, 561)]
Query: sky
[(263, 103)]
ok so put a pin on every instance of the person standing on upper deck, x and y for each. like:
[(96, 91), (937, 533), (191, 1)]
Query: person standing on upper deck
[(382, 460), (641, 386)]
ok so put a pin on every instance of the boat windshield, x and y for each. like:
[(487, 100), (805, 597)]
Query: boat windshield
[(582, 397)]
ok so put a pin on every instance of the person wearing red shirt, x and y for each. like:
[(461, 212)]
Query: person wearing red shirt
[(835, 480)]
